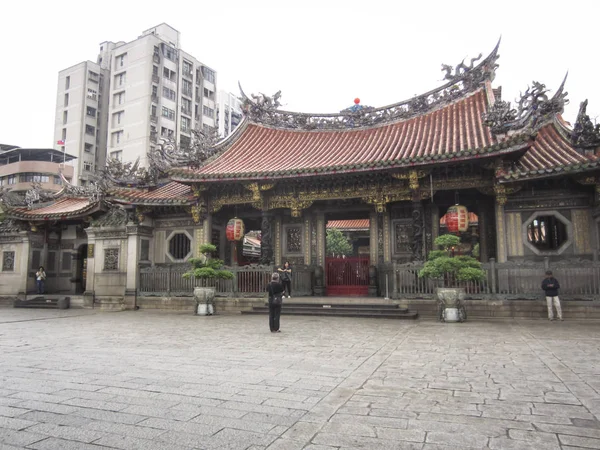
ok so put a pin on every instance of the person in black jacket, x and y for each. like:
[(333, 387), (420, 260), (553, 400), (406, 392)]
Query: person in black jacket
[(551, 286), (286, 278), (275, 288)]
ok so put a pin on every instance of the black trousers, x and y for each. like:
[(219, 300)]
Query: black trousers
[(287, 286), (274, 313)]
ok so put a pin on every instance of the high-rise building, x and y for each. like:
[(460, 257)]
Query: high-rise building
[(229, 113), (146, 89)]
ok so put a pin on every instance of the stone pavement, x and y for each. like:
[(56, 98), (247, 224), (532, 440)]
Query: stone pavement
[(80, 379)]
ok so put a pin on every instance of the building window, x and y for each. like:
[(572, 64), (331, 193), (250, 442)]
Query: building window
[(30, 177), (120, 79), (155, 70), (169, 93), (117, 118), (66, 99), (65, 116), (179, 246), (12, 179), (117, 138), (64, 134), (153, 111), (93, 76), (209, 112), (92, 94), (118, 155), (168, 113), (120, 60), (293, 239), (166, 133), (169, 74), (169, 52), (88, 147), (209, 94), (186, 106), (90, 130), (186, 88), (188, 69), (119, 98), (209, 74), (67, 82), (8, 261), (57, 180), (111, 259), (547, 233), (88, 166), (91, 111), (185, 124)]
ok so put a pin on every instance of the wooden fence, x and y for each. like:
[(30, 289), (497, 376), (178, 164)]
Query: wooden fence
[(248, 281)]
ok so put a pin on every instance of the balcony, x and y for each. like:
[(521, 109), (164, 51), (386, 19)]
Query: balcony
[(153, 119), (155, 98), (153, 139), (187, 92), (156, 58), (187, 112), (155, 79), (188, 74)]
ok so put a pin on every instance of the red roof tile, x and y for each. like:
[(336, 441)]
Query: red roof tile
[(357, 224), (455, 131), (170, 193), (62, 208), (551, 152)]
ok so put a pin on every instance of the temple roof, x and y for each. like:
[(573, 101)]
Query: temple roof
[(349, 225), (551, 153), (453, 133), (172, 193), (60, 209)]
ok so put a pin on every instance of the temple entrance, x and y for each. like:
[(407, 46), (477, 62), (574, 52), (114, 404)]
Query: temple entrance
[(347, 261)]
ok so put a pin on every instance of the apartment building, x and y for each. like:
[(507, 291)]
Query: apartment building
[(20, 167), (149, 88), (229, 112)]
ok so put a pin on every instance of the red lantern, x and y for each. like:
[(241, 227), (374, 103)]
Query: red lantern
[(457, 219), (235, 229), (356, 101)]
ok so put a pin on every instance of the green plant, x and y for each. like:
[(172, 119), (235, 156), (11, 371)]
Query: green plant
[(337, 243), (206, 267), (442, 265)]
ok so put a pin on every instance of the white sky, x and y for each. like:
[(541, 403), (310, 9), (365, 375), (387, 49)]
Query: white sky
[(321, 54)]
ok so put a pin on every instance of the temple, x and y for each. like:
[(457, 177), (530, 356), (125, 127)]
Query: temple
[(530, 182)]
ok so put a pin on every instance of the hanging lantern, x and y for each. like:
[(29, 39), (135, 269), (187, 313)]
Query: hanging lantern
[(457, 219), (235, 229)]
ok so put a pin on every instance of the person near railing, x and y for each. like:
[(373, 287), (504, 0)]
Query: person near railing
[(275, 290), (285, 274), (550, 285)]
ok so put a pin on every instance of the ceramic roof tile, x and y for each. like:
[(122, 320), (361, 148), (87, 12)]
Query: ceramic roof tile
[(356, 224), (169, 193), (62, 208)]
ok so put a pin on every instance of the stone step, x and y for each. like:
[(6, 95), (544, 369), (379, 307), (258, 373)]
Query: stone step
[(387, 306), (341, 312), (43, 303)]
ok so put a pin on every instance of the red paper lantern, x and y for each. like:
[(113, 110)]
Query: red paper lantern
[(235, 229), (356, 101), (457, 219)]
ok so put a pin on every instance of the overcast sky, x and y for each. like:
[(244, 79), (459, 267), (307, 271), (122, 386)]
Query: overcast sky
[(321, 54)]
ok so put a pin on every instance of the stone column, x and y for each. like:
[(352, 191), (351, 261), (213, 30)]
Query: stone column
[(387, 240), (417, 225), (88, 294), (23, 264), (500, 229), (207, 229), (373, 239), (266, 247), (321, 239), (133, 262), (483, 242), (278, 250)]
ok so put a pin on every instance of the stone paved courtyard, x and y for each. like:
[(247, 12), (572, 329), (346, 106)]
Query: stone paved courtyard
[(80, 379)]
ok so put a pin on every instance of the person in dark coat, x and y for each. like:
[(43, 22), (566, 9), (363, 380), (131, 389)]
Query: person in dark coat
[(551, 286), (275, 288), (285, 275)]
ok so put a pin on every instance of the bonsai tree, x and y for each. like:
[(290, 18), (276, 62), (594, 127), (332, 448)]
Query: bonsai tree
[(207, 268), (443, 265)]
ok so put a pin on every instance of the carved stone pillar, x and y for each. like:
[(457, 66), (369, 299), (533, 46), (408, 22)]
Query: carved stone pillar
[(387, 241), (207, 229), (373, 239), (266, 248), (417, 225), (306, 238), (321, 241), (88, 294), (278, 240), (432, 226), (500, 225)]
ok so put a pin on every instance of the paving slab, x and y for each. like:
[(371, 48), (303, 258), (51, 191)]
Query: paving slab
[(153, 380)]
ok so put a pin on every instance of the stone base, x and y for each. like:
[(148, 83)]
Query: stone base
[(88, 299)]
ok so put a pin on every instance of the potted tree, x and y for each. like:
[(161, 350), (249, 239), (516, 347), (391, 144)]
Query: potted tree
[(206, 268), (451, 272)]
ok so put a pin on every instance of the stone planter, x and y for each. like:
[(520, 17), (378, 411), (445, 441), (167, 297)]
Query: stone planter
[(204, 297), (451, 298)]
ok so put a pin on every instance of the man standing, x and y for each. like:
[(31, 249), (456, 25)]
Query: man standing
[(551, 286)]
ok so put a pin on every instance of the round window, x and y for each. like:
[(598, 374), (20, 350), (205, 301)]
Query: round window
[(179, 246)]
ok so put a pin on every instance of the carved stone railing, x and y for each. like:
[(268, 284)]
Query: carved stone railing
[(249, 281)]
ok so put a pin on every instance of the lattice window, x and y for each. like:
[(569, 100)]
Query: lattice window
[(179, 246), (546, 232), (145, 250), (402, 237), (293, 240), (8, 261), (111, 259)]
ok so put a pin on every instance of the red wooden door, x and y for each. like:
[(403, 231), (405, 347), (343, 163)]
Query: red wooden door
[(347, 276)]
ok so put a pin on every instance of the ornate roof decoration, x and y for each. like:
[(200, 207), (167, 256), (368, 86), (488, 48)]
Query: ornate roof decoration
[(116, 215), (585, 134), (128, 174), (534, 108), (11, 199), (168, 154), (465, 79), (37, 194), (94, 191)]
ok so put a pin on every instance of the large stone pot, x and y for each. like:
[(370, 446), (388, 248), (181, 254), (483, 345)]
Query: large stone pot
[(451, 298), (205, 297)]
